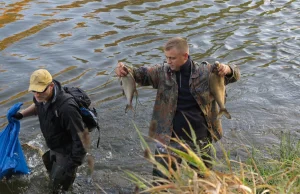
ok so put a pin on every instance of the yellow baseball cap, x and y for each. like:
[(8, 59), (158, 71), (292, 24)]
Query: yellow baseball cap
[(39, 80)]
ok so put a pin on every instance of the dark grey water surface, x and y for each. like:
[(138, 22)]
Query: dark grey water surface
[(80, 42)]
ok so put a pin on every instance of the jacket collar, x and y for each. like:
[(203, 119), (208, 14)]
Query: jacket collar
[(194, 72), (54, 96), (57, 89), (186, 67)]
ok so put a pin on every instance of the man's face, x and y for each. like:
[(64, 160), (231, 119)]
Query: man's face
[(45, 95), (175, 58)]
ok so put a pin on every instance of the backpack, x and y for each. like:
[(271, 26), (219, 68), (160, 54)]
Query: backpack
[(89, 115)]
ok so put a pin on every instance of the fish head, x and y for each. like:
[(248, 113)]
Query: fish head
[(215, 67), (129, 69)]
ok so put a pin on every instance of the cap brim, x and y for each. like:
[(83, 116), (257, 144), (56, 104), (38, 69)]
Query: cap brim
[(37, 88)]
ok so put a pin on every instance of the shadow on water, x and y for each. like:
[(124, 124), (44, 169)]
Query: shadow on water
[(80, 42)]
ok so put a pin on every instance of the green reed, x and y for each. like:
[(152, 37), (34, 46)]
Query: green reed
[(258, 174)]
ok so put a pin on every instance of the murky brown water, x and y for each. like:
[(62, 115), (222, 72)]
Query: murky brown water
[(80, 42)]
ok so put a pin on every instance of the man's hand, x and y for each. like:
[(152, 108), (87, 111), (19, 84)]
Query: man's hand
[(18, 116), (13, 111), (224, 70), (121, 70)]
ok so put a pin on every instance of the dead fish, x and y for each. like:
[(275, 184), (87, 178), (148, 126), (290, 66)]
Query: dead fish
[(129, 89), (217, 89)]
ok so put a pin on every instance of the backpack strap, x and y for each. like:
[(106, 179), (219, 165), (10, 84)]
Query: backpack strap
[(98, 141), (56, 105)]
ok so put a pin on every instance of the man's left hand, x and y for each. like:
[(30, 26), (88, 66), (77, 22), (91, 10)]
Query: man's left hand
[(224, 70)]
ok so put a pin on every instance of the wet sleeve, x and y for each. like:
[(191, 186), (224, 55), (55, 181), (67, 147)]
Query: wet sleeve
[(147, 76), (72, 122)]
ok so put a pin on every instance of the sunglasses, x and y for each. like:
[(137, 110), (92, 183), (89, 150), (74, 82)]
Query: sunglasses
[(42, 91)]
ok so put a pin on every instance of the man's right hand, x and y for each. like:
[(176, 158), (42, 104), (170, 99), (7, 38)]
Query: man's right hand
[(13, 111), (121, 70)]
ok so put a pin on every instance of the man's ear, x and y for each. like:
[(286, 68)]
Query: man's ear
[(186, 56), (52, 84)]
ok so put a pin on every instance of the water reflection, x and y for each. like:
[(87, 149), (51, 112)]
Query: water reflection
[(11, 12), (6, 42)]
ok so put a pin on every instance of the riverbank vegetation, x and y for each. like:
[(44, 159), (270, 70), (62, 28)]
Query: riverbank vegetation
[(277, 171)]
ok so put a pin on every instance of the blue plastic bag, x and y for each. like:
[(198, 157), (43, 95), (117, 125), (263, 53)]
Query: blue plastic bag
[(12, 160)]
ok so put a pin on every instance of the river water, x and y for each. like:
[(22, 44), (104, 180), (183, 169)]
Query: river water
[(80, 42)]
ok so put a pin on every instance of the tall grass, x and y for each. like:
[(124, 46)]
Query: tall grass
[(258, 174)]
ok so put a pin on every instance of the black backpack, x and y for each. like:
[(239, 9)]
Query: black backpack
[(89, 115)]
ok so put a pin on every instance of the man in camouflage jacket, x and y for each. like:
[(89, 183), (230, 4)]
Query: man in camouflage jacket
[(167, 79)]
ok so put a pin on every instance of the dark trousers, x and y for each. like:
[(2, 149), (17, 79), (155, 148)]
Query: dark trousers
[(61, 175), (160, 150)]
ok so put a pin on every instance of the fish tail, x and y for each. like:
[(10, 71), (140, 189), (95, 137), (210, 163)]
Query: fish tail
[(129, 106), (225, 112)]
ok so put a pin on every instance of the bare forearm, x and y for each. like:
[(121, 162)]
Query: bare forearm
[(29, 111)]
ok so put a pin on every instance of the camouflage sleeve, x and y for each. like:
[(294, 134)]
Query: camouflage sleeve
[(147, 76), (228, 78), (234, 76)]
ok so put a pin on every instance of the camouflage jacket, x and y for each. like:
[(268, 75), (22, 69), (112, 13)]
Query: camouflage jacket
[(162, 78)]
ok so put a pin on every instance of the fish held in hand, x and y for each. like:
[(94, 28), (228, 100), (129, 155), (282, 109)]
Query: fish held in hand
[(217, 89), (129, 89)]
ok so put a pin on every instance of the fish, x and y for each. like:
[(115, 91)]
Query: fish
[(217, 89), (129, 89)]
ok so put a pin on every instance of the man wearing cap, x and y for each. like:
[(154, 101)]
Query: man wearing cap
[(60, 123)]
